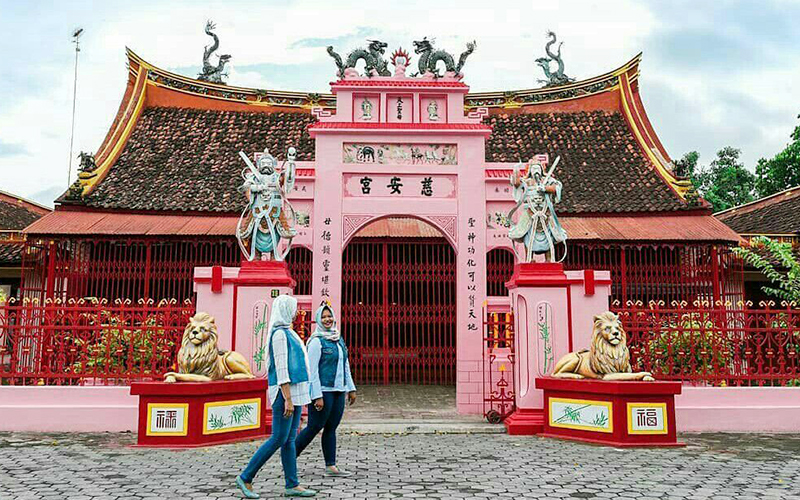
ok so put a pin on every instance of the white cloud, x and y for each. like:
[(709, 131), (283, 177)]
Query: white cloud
[(598, 36)]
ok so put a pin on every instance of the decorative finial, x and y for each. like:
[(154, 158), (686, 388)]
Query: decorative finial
[(430, 58), (557, 78), (400, 59), (210, 73)]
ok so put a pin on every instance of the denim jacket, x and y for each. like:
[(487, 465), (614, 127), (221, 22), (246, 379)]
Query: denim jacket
[(330, 368), (295, 359)]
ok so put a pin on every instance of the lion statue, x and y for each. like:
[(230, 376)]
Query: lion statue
[(199, 360), (607, 358)]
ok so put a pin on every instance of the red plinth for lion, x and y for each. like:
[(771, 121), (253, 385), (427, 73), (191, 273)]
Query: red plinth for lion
[(190, 414), (621, 414), (553, 311)]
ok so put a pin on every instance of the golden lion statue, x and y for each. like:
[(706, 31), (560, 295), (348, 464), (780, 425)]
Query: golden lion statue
[(199, 360), (607, 358)]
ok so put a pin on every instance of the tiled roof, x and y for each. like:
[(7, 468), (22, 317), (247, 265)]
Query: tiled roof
[(182, 159), (10, 253), (16, 213), (187, 159), (602, 167), (776, 214)]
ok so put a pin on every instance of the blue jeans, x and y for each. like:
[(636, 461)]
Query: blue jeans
[(284, 432), (328, 419)]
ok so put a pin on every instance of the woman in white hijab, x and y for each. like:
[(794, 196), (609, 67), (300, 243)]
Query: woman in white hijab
[(331, 382), (288, 375)]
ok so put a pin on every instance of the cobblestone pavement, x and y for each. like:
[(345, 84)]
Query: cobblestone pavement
[(447, 466)]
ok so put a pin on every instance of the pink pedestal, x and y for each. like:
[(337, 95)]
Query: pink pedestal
[(553, 312), (240, 299)]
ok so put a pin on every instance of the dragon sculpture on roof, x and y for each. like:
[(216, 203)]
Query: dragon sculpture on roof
[(211, 73), (430, 58), (557, 78), (375, 64)]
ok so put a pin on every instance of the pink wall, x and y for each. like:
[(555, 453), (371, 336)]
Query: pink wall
[(738, 409), (67, 409), (113, 409)]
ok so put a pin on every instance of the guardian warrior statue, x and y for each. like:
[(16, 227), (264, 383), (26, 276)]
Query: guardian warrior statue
[(268, 216), (535, 193)]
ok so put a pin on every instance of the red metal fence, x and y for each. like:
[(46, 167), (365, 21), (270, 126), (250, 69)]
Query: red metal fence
[(399, 310), (643, 272), (95, 343), (89, 342), (133, 268), (715, 344)]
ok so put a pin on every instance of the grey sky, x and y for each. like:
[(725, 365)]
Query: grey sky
[(714, 73)]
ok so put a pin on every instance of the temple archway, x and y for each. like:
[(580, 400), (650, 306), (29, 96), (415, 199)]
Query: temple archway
[(399, 303)]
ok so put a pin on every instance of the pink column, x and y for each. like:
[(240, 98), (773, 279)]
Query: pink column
[(240, 301), (549, 306)]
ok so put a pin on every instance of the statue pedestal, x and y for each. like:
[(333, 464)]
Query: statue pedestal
[(240, 299), (190, 414), (621, 414), (547, 301)]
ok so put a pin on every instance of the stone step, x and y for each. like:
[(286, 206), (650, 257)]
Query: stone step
[(419, 426)]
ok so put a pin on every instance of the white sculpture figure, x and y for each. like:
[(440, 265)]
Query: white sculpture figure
[(268, 216), (366, 109), (538, 227), (433, 111)]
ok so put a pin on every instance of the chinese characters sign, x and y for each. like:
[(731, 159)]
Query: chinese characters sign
[(647, 418), (400, 154), (325, 245), (400, 185), (471, 283), (168, 419)]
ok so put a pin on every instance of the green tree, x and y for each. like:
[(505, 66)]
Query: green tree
[(782, 171), (777, 262), (687, 166), (726, 182)]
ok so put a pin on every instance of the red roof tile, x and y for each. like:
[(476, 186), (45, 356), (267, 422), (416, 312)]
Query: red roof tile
[(180, 159), (775, 214)]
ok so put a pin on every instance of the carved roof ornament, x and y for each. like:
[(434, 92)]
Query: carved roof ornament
[(553, 78), (429, 58), (211, 73), (400, 60), (375, 64)]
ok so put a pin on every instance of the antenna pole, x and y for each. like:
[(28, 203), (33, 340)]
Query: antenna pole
[(76, 40)]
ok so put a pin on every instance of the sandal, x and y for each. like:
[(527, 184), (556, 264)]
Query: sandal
[(337, 473), (247, 492), (292, 492)]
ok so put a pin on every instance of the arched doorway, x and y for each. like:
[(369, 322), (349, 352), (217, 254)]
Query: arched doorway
[(399, 304)]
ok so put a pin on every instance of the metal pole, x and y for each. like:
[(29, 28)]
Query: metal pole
[(76, 35)]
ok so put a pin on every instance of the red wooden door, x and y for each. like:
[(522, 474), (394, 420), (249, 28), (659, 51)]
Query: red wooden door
[(399, 310)]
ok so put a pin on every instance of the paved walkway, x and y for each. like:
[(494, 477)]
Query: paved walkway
[(103, 466)]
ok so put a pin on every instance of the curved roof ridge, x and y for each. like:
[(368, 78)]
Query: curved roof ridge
[(505, 98)]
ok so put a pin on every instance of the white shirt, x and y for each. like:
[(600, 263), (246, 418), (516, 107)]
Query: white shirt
[(280, 352)]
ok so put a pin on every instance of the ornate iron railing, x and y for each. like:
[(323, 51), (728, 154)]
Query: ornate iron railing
[(715, 343), (85, 342), (91, 342)]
